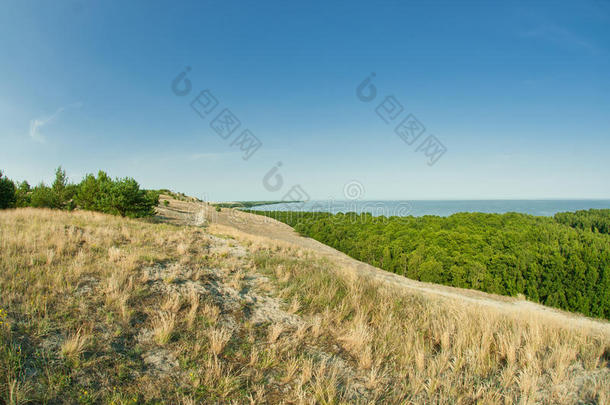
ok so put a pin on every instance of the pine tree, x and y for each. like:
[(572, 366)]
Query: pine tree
[(7, 192)]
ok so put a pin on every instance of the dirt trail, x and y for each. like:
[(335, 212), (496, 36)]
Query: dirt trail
[(195, 213)]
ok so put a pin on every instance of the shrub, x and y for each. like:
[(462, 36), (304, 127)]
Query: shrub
[(23, 194), (7, 192), (91, 191), (121, 196), (128, 200), (44, 197), (63, 190), (59, 196)]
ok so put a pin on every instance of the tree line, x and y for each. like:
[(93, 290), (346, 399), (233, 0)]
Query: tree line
[(119, 196), (553, 261), (591, 220)]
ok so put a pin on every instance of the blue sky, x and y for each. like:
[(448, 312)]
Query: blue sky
[(517, 92)]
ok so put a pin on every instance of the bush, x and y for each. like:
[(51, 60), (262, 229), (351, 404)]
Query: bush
[(128, 200), (7, 192), (23, 195), (121, 196), (91, 191), (59, 196), (63, 190), (44, 197), (166, 203)]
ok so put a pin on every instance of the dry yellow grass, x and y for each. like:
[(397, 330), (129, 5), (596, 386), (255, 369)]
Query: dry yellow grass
[(218, 340), (75, 345), (163, 325), (99, 309)]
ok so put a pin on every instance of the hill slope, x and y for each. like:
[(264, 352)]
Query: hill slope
[(507, 254), (254, 225), (99, 309)]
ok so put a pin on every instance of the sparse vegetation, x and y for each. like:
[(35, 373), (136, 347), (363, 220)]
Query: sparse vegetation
[(102, 309), (178, 196)]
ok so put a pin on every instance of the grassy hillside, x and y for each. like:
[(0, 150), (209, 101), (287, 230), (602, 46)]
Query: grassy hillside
[(102, 309), (505, 254)]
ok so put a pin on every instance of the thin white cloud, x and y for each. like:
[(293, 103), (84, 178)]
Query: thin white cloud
[(38, 123), (210, 156), (560, 35)]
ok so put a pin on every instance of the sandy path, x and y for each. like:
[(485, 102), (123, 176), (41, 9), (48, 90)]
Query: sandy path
[(189, 213)]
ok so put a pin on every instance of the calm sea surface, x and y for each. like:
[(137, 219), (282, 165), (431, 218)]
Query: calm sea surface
[(440, 207)]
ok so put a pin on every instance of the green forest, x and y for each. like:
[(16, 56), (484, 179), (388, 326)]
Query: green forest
[(562, 262), (589, 220)]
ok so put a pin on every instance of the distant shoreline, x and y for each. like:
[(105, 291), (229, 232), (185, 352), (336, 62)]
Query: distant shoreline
[(250, 204), (443, 208)]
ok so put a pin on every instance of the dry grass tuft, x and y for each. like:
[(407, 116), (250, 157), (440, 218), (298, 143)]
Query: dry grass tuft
[(274, 332), (163, 326), (211, 312), (75, 345), (194, 308), (219, 337)]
